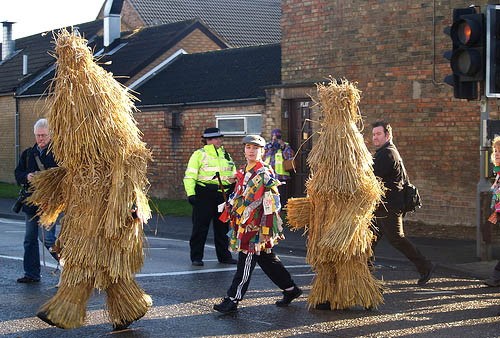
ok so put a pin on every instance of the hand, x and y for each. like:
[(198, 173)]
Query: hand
[(192, 199), (136, 213), (30, 176)]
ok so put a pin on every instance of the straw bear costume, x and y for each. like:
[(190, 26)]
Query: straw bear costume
[(342, 193), (101, 178)]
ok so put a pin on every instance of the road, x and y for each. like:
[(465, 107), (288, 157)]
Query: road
[(451, 305)]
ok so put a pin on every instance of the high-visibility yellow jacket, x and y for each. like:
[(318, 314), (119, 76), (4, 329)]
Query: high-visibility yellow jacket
[(203, 165), (278, 167)]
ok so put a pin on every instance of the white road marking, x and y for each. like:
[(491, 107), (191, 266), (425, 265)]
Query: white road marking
[(434, 292), (11, 221), (194, 272), (50, 265)]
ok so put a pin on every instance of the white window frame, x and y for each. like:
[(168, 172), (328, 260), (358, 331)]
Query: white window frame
[(243, 117)]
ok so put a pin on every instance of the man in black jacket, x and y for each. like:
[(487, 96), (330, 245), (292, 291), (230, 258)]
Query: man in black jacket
[(32, 160), (388, 166)]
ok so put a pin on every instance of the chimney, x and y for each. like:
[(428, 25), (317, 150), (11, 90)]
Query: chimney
[(112, 21), (8, 45), (25, 64)]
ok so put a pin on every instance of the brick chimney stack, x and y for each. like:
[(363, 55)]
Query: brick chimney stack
[(8, 44)]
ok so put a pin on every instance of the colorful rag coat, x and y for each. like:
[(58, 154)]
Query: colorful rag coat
[(253, 210), (495, 199)]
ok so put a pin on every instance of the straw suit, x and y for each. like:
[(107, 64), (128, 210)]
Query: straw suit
[(100, 181)]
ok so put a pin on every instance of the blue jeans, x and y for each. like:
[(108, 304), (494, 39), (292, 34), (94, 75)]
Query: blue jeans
[(34, 231)]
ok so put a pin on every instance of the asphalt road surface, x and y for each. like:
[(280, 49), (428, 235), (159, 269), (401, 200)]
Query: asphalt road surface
[(449, 306)]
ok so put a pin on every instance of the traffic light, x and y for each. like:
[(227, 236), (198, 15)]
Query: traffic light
[(467, 58), (493, 51)]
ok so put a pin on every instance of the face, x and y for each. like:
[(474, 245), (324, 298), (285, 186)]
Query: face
[(253, 153), (216, 141), (42, 137), (496, 154), (379, 138), (274, 138)]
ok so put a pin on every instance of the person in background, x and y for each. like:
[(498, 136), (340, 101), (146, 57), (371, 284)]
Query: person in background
[(210, 170), (253, 210), (388, 166), (494, 280), (275, 153), (33, 160)]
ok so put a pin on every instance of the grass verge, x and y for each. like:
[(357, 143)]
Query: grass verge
[(159, 206)]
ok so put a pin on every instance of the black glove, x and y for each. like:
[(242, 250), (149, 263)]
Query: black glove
[(192, 199)]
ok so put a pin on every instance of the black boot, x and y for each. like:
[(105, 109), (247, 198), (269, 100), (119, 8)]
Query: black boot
[(288, 296), (44, 316)]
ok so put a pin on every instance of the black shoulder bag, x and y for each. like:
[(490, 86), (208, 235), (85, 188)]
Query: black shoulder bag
[(411, 196), (23, 192)]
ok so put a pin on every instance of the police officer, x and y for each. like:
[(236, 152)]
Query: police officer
[(275, 152), (210, 171)]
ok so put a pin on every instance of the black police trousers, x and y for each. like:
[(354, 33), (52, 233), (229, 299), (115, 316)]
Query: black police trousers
[(204, 212)]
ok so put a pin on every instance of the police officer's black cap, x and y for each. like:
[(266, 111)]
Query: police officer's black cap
[(212, 133)]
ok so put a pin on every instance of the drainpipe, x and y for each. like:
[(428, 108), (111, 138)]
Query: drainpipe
[(112, 21), (16, 131), (8, 44)]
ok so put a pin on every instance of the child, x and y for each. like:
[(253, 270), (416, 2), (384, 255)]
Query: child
[(255, 227), (494, 280)]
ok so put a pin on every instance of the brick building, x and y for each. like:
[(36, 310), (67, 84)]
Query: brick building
[(394, 51)]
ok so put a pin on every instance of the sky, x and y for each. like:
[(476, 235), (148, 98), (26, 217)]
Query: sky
[(37, 16)]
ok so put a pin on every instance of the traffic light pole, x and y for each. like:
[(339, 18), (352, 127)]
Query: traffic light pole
[(483, 250)]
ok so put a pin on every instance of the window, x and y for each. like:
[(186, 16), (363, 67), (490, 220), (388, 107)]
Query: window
[(239, 124)]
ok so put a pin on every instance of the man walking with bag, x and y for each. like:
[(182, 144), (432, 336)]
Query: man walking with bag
[(388, 166), (33, 160)]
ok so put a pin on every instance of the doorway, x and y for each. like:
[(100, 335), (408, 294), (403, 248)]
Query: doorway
[(299, 132)]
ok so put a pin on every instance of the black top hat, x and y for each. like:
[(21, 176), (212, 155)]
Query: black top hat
[(212, 133)]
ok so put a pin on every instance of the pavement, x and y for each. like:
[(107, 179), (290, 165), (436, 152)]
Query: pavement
[(452, 255)]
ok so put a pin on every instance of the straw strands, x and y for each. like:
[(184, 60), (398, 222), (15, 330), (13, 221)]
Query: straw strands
[(342, 195), (101, 178), (298, 212)]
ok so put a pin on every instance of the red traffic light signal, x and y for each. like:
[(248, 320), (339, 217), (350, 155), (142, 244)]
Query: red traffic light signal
[(467, 58)]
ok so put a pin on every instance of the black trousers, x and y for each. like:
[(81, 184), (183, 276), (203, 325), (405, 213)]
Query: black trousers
[(269, 263), (390, 224), (204, 212)]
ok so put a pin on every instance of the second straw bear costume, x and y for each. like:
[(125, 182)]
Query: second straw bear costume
[(342, 194)]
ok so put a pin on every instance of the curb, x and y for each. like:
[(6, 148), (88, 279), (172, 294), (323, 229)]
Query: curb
[(11, 216)]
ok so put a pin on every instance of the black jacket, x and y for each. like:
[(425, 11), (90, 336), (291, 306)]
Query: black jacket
[(388, 165), (27, 164)]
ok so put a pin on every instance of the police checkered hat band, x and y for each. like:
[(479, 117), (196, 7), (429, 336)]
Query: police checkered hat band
[(212, 133)]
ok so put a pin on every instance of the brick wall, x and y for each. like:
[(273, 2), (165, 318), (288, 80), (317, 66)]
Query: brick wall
[(172, 147), (393, 50), (7, 138)]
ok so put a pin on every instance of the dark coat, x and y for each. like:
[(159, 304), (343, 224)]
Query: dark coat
[(388, 166), (27, 164)]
